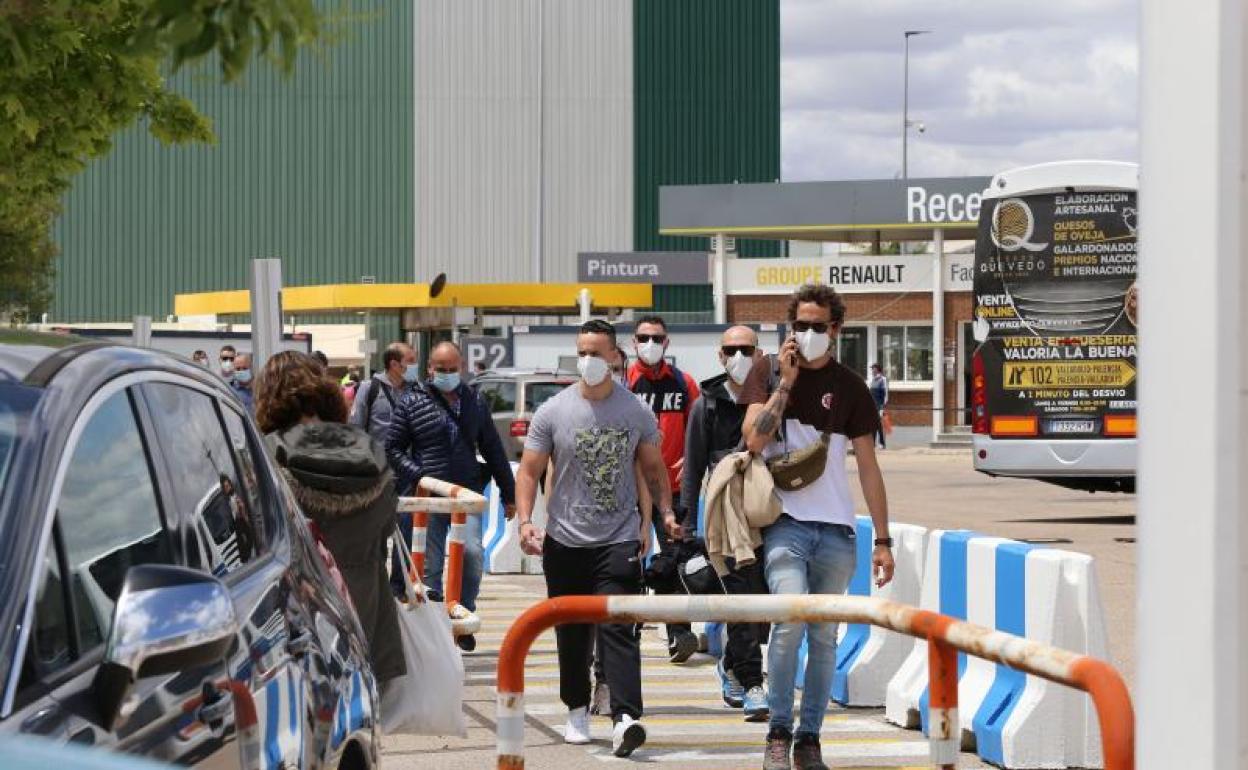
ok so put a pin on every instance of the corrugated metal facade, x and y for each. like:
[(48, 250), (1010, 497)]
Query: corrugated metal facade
[(492, 76), (315, 168), (706, 110)]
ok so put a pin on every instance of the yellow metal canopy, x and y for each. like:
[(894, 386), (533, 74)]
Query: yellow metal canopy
[(358, 297)]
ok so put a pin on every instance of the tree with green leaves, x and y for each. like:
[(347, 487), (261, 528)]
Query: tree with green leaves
[(77, 72)]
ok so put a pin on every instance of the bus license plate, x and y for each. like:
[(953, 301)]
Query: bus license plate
[(1065, 427)]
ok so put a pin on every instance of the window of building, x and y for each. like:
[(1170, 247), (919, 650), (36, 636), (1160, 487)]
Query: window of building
[(207, 489), (904, 351)]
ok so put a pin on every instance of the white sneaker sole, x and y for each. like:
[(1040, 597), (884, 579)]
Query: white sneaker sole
[(577, 740), (634, 736)]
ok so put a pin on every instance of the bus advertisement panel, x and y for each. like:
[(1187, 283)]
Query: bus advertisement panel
[(1055, 310)]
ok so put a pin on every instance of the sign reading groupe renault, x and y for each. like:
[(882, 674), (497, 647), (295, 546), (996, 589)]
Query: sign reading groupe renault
[(667, 267), (848, 274)]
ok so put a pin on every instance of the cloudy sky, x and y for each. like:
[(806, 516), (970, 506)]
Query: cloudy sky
[(998, 83)]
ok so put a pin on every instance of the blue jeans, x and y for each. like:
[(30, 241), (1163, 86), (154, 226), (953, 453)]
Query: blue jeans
[(804, 557), (435, 556)]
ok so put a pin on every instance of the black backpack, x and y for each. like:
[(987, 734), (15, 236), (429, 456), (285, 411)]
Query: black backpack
[(374, 385)]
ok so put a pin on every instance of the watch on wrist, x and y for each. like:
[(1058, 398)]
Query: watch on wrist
[(887, 542)]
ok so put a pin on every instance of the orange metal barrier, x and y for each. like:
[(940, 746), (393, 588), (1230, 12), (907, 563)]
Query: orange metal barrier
[(458, 502), (945, 637)]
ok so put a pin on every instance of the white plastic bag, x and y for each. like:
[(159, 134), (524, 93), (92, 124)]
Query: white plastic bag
[(429, 698)]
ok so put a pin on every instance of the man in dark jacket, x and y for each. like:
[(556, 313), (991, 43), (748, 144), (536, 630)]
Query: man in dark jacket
[(714, 432), (437, 431)]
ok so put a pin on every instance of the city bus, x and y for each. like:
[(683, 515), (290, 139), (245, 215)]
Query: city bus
[(1053, 380)]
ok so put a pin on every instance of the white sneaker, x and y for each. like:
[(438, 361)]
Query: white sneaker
[(576, 731), (627, 736)]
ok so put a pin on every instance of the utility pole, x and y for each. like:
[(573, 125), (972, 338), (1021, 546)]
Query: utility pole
[(905, 100)]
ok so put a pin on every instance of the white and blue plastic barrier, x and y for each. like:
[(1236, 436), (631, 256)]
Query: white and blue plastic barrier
[(1044, 594), (501, 538)]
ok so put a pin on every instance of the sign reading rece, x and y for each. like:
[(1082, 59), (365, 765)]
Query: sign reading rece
[(922, 206)]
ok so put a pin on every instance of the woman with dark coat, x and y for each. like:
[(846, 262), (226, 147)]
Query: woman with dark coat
[(343, 482)]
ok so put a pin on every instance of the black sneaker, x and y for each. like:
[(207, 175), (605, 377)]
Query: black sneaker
[(779, 745), (682, 647), (466, 643), (807, 754)]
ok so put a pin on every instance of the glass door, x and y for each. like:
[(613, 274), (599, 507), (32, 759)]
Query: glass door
[(852, 348)]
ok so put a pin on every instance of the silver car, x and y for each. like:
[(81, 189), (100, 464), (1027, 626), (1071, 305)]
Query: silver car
[(513, 395)]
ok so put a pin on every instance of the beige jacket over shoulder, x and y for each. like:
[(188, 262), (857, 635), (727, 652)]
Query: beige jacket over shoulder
[(740, 500)]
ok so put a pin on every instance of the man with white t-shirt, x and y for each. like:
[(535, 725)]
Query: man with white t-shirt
[(811, 549)]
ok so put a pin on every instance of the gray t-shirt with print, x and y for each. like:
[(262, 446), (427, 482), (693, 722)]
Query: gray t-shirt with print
[(592, 444)]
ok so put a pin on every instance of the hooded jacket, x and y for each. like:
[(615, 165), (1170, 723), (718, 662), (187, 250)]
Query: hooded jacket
[(342, 482), (714, 432)]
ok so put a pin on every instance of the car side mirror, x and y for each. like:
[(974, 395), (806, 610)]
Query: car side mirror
[(166, 619)]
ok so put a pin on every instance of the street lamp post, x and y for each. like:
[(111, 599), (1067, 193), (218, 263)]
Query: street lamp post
[(905, 99)]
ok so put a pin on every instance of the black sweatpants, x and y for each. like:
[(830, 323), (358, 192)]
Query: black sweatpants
[(599, 570), (743, 654)]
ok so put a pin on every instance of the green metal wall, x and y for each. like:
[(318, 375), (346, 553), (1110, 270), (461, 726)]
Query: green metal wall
[(707, 110), (315, 168)]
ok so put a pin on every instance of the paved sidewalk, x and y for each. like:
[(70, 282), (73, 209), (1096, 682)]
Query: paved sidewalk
[(689, 726)]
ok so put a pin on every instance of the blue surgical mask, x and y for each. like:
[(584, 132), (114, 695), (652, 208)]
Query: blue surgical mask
[(446, 381), (242, 376), (411, 373)]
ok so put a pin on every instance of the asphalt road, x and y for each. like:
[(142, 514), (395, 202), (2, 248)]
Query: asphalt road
[(689, 726)]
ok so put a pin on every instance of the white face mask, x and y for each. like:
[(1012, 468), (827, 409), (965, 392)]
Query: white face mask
[(812, 344), (738, 367), (593, 369), (651, 352)]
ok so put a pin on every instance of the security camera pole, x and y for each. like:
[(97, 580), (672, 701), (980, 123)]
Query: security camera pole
[(905, 99)]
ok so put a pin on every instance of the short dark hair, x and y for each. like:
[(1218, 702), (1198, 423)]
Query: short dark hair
[(822, 295), (393, 354), (657, 320), (320, 356), (199, 353), (877, 366), (599, 326), (227, 347)]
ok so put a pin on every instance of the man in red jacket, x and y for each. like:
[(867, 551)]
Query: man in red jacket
[(670, 393)]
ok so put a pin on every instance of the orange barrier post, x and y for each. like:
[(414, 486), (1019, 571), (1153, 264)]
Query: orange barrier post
[(946, 636), (453, 579), (458, 502)]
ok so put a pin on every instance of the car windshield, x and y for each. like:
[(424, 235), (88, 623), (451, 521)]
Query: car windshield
[(538, 393)]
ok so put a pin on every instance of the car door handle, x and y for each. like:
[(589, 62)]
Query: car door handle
[(215, 707), (299, 644), (45, 721)]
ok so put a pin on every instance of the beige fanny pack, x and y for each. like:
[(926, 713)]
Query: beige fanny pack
[(799, 469)]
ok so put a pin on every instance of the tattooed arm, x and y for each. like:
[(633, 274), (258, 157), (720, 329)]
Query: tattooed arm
[(762, 421)]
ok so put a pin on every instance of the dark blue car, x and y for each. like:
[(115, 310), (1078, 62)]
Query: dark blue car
[(162, 594)]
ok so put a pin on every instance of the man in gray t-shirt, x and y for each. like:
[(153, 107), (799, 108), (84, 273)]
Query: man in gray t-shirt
[(593, 500), (595, 432)]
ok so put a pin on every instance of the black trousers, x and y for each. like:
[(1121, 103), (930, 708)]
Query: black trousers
[(599, 570), (743, 654), (666, 547)]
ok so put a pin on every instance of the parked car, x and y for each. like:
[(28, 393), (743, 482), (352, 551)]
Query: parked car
[(164, 595), (513, 395)]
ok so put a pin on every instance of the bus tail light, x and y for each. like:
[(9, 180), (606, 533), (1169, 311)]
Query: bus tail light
[(519, 428), (1022, 425), (979, 395), (1120, 425)]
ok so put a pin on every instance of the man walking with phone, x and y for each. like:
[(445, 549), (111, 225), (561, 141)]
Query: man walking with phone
[(594, 432), (812, 415)]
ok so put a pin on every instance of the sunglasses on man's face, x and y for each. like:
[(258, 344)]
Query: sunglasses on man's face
[(226, 358), (659, 338), (732, 350), (819, 327)]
